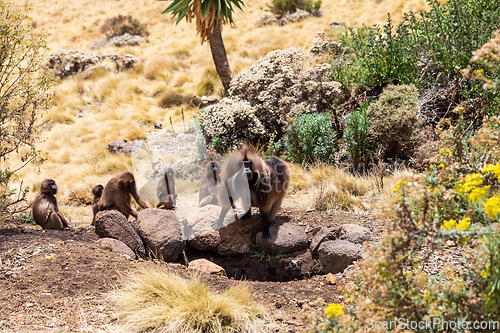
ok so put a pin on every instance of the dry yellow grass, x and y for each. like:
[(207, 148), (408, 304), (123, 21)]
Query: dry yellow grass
[(89, 113), (326, 187), (154, 300)]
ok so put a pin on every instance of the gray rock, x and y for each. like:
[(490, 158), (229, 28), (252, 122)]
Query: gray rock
[(239, 237), (73, 62), (199, 228), (126, 147), (348, 228), (322, 235), (114, 245), (161, 233), (285, 238), (123, 40), (336, 255), (113, 224), (357, 237)]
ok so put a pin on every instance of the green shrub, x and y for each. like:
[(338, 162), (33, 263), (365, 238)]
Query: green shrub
[(420, 48), (393, 121), (120, 25), (24, 94), (357, 138), (281, 7), (311, 138)]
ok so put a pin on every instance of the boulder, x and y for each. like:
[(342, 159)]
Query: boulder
[(336, 255), (357, 237), (285, 238), (239, 237), (206, 266), (114, 245), (73, 62), (126, 147), (161, 233), (113, 224), (348, 228), (322, 235), (123, 40), (200, 230)]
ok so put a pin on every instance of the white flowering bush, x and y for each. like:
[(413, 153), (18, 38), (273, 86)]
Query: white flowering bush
[(268, 93), (230, 116)]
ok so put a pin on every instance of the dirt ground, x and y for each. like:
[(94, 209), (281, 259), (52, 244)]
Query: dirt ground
[(58, 281)]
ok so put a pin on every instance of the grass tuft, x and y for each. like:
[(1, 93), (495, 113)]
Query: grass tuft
[(154, 300)]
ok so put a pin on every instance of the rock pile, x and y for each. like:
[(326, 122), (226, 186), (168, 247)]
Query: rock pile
[(237, 249), (73, 62)]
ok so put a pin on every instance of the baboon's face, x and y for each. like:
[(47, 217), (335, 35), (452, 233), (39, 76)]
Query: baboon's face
[(49, 186), (97, 191), (215, 170), (131, 186), (247, 169), (53, 187)]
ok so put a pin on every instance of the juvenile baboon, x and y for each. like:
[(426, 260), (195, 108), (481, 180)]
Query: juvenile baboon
[(45, 210), (210, 184), (267, 180), (97, 193), (166, 190), (117, 195)]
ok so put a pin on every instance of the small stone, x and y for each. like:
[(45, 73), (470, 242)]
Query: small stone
[(331, 279), (207, 267)]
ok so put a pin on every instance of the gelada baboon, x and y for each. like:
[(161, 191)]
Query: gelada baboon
[(267, 179), (166, 190), (97, 193), (210, 184), (117, 195), (45, 210)]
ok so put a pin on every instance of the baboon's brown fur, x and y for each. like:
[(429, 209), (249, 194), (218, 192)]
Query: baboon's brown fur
[(267, 178), (117, 195), (45, 210), (209, 187), (97, 193), (166, 190)]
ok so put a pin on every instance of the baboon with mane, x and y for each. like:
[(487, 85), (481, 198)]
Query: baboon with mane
[(266, 179)]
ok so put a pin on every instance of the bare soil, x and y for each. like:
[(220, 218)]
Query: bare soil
[(58, 281)]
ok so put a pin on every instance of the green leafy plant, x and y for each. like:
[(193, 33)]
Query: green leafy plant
[(422, 48), (357, 138), (311, 138), (260, 254), (24, 94), (393, 121)]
